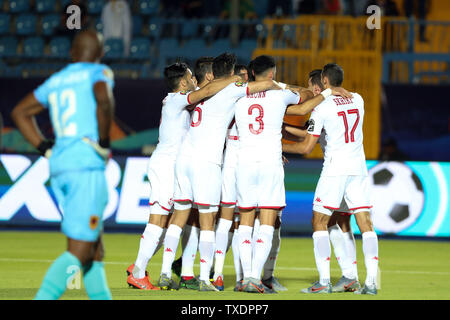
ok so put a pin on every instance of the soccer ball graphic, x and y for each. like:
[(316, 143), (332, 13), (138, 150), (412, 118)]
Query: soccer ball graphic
[(396, 195)]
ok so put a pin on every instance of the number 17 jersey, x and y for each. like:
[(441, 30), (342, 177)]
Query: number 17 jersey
[(342, 121)]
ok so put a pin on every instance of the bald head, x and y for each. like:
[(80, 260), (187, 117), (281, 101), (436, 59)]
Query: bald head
[(87, 47)]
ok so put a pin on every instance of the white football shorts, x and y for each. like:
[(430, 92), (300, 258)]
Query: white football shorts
[(161, 175), (332, 191)]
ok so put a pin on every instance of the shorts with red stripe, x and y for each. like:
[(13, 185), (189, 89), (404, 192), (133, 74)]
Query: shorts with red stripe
[(161, 176), (348, 194)]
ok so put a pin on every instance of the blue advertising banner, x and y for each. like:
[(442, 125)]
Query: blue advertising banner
[(409, 199)]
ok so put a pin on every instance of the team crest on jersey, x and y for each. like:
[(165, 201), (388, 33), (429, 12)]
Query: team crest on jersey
[(239, 83), (108, 73), (184, 92), (311, 125), (93, 222)]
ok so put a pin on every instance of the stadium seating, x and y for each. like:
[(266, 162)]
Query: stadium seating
[(26, 24), (49, 23), (4, 23), (19, 6), (33, 47), (114, 48), (137, 25), (95, 7), (45, 6), (98, 24), (59, 47), (148, 7), (155, 28), (8, 47), (140, 48)]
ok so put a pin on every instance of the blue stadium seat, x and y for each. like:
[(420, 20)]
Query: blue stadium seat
[(140, 48), (168, 46), (45, 6), (49, 23), (148, 7), (155, 28), (114, 48), (4, 23), (218, 47), (8, 47), (193, 47), (33, 47), (19, 6), (137, 25), (26, 24), (95, 6), (245, 49), (189, 29), (59, 47), (98, 24)]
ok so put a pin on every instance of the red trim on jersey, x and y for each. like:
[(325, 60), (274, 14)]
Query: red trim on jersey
[(227, 202), (366, 207), (344, 213), (247, 208), (233, 137), (300, 101), (331, 208), (316, 135), (181, 200), (204, 204), (188, 99), (277, 208), (247, 91)]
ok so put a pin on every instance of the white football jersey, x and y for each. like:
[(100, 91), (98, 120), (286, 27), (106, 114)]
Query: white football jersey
[(342, 121), (206, 136), (174, 124), (259, 118)]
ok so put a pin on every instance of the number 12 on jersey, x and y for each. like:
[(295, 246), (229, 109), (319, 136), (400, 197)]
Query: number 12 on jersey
[(344, 118)]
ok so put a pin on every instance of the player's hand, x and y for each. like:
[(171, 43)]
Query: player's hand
[(103, 151), (45, 148), (341, 92)]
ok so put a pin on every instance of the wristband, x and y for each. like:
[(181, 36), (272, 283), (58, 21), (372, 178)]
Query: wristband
[(326, 93), (104, 143), (44, 146)]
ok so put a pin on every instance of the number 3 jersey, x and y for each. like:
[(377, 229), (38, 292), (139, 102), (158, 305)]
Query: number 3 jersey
[(69, 95), (342, 121), (259, 118)]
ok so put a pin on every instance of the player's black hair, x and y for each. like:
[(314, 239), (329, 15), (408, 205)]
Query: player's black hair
[(251, 77), (203, 65), (261, 64), (174, 73), (334, 73), (316, 78), (239, 67), (223, 65)]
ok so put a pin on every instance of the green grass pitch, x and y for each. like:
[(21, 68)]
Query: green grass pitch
[(410, 269)]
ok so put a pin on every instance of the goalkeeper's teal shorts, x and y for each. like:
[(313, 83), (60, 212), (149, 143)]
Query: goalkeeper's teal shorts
[(82, 196)]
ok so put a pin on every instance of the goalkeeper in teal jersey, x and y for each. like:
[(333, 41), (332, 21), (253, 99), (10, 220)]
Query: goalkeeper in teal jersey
[(81, 106)]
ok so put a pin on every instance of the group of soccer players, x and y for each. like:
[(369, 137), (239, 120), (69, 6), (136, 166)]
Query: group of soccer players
[(216, 176)]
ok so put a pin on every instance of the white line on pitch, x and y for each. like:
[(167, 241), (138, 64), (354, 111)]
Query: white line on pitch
[(230, 266)]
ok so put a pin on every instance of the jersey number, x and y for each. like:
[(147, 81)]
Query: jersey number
[(257, 119), (67, 101), (199, 119), (344, 118)]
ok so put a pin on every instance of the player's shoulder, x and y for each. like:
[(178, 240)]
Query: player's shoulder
[(104, 69)]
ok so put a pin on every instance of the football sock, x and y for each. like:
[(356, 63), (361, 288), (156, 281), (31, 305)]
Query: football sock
[(349, 239), (55, 280), (223, 228), (263, 245), (245, 249), (189, 252), (149, 242), (370, 249), (256, 225), (170, 248), (322, 252), (206, 250), (95, 282), (236, 259), (161, 240), (271, 261), (340, 251)]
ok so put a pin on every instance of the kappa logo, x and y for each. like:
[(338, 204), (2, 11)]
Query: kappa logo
[(259, 241), (318, 200), (246, 242), (327, 259), (202, 260), (219, 251), (168, 250)]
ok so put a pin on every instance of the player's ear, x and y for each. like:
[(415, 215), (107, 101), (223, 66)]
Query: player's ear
[(209, 76)]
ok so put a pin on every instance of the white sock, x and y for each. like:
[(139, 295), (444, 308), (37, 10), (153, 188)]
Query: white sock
[(236, 259), (206, 250), (170, 248), (161, 240), (149, 242), (245, 249), (271, 261), (340, 251), (322, 252), (262, 248), (370, 249), (349, 239), (255, 234), (223, 228), (189, 252)]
